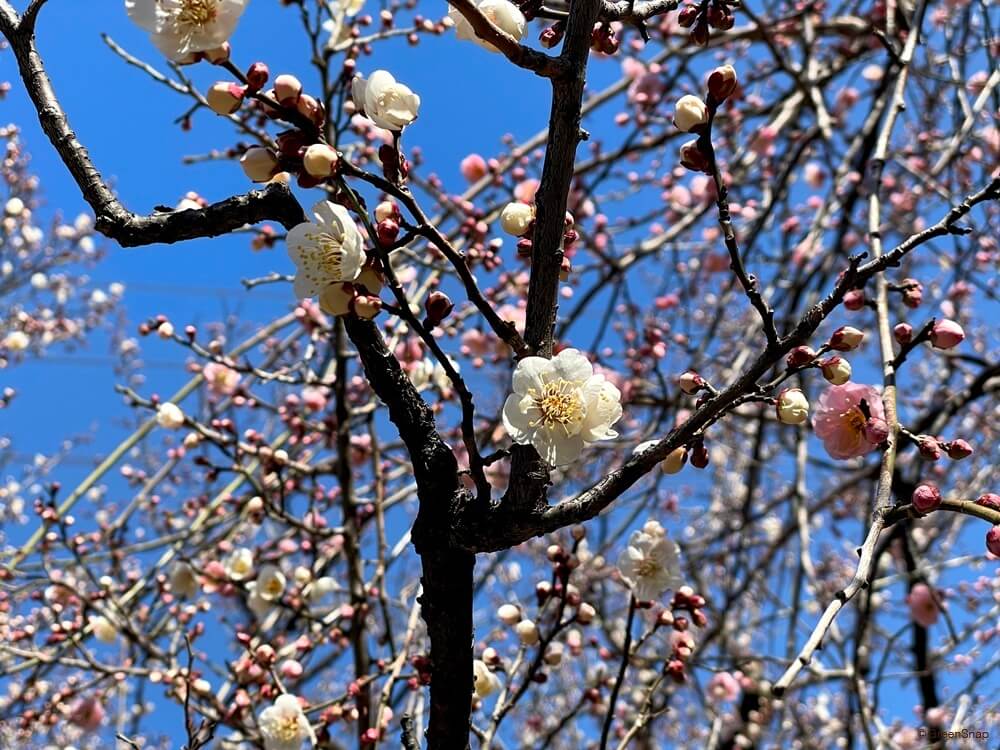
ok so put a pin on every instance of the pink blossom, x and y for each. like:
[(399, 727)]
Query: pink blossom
[(840, 423), (525, 191), (87, 713), (473, 167), (723, 687), (923, 607), (221, 379), (314, 399)]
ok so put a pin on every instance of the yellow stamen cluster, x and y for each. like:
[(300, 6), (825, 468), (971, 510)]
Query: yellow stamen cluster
[(559, 403), (197, 12)]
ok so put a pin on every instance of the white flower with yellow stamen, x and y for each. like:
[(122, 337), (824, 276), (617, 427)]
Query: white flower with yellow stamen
[(325, 251), (180, 28), (284, 726), (270, 583), (649, 564), (559, 406)]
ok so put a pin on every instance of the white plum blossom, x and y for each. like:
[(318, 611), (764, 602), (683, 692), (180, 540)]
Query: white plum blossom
[(270, 583), (384, 101), (326, 250), (560, 405), (169, 416), (180, 28), (649, 564), (484, 681), (334, 26), (239, 564), (183, 580), (503, 14), (104, 630), (284, 726)]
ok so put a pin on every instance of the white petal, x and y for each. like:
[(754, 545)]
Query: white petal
[(555, 448), (531, 372), (516, 421), (143, 13), (359, 87), (303, 287), (571, 365)]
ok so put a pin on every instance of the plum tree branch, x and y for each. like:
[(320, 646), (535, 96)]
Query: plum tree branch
[(275, 202)]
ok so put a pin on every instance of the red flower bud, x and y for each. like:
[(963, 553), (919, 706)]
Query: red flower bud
[(257, 75), (722, 82), (903, 333), (854, 299), (687, 16), (989, 500), (958, 449), (388, 231), (437, 306), (800, 356), (926, 498), (929, 447), (993, 540)]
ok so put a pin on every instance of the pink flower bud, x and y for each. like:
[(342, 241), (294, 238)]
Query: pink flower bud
[(800, 356), (386, 210), (388, 231), (846, 338), (257, 75), (946, 334), (989, 500), (993, 540), (929, 447), (691, 382), (224, 98), (474, 168), (259, 164), (958, 449), (687, 16), (836, 370), (913, 293), (310, 108), (903, 333), (287, 90), (854, 299), (437, 306), (926, 498), (722, 82), (692, 158), (320, 160), (876, 431)]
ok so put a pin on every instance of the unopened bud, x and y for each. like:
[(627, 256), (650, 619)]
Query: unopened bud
[(257, 75), (903, 332), (691, 382), (674, 461), (792, 406), (926, 498), (946, 334), (958, 449), (722, 82), (287, 90), (320, 160), (437, 307), (836, 370), (259, 164), (846, 338), (225, 98), (387, 230), (800, 356), (692, 158)]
